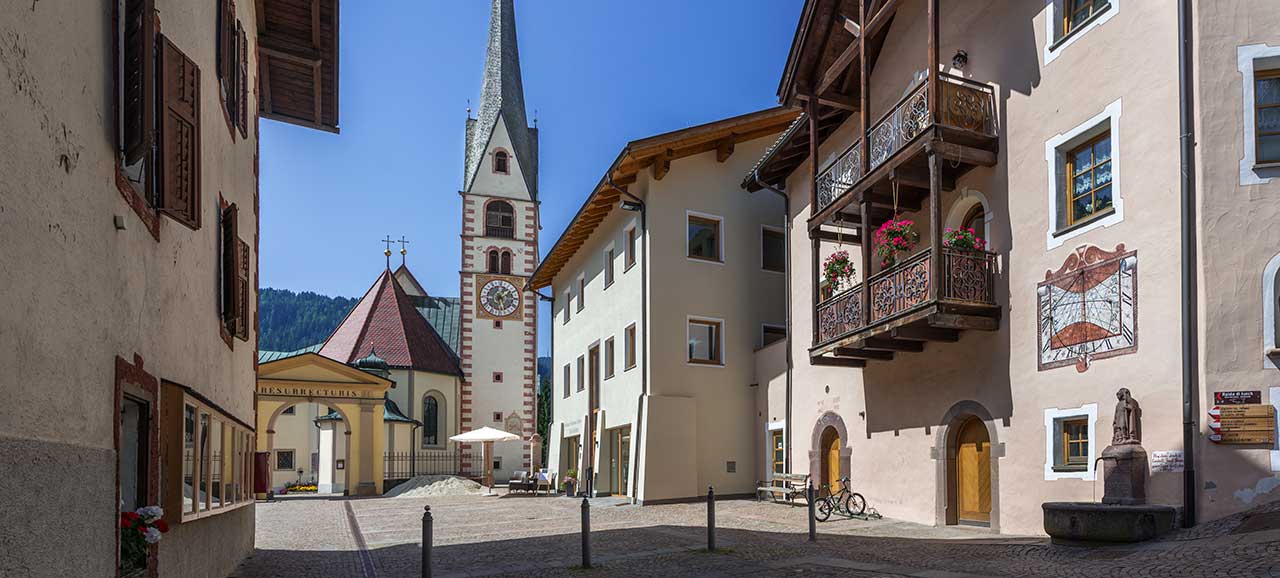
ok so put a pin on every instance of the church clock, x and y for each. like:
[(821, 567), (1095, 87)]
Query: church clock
[(499, 297), (1088, 309)]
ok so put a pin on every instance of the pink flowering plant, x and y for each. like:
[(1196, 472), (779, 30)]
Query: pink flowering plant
[(895, 236), (139, 529), (963, 240), (838, 269)]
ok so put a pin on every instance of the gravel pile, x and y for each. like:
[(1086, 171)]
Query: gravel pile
[(433, 486)]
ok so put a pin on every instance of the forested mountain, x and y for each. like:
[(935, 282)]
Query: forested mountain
[(288, 321)]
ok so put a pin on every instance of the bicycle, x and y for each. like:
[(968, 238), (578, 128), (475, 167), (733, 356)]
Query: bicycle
[(845, 502)]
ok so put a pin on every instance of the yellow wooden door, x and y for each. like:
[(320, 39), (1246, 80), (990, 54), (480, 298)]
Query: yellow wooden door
[(831, 459), (973, 472)]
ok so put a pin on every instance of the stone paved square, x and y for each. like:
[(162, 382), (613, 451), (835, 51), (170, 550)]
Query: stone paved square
[(510, 536)]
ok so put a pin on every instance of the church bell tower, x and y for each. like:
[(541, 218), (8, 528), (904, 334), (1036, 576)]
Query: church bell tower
[(498, 346)]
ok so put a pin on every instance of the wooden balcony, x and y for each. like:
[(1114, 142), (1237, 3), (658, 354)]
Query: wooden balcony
[(898, 142), (906, 309)]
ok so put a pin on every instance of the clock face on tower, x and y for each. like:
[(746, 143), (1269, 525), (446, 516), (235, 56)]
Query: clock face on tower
[(1088, 308), (499, 297)]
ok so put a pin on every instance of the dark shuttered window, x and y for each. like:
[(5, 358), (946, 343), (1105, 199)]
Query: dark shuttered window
[(137, 75), (228, 241), (179, 167)]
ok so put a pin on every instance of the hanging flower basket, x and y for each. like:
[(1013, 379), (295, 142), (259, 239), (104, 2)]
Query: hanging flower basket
[(139, 529), (894, 237), (838, 270), (965, 240)]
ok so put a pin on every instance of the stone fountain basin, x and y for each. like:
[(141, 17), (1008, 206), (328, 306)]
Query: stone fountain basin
[(1090, 522)]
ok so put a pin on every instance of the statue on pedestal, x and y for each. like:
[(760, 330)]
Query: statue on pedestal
[(1124, 469), (1126, 426)]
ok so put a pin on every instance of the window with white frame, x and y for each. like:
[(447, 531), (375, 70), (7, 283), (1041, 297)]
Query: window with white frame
[(705, 337), (1070, 442), (1259, 66), (1085, 185), (1067, 21), (704, 240)]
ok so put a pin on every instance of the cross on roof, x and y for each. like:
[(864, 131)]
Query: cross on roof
[(404, 250)]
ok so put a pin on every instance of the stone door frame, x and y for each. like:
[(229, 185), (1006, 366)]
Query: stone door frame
[(944, 453), (816, 451)]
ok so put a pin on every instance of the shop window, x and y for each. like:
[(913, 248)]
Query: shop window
[(773, 256), (190, 469), (703, 241), (704, 337)]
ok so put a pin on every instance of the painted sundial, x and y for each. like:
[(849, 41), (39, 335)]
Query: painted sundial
[(1088, 309)]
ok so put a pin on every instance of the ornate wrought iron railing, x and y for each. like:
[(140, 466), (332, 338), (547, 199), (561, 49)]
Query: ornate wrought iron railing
[(968, 276), (840, 176), (900, 288), (965, 104), (968, 105), (840, 315)]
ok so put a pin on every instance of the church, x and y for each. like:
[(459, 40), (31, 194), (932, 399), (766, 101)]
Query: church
[(454, 364)]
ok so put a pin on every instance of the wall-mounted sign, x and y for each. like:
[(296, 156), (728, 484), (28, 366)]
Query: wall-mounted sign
[(1088, 309), (1237, 397), (1243, 424), (1163, 462)]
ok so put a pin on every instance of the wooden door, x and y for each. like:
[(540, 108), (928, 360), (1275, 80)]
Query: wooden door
[(973, 472), (830, 460)]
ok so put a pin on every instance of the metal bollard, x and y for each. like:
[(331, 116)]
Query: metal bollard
[(711, 519), (813, 517), (426, 542), (586, 533)]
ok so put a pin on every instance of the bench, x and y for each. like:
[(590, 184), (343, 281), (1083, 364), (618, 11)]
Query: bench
[(785, 486)]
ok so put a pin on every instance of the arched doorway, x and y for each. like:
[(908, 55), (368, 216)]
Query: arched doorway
[(973, 472), (829, 449), (307, 444)]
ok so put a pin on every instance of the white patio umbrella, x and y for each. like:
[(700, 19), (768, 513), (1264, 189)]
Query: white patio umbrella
[(486, 436)]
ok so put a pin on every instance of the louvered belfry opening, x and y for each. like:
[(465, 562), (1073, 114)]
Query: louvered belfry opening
[(500, 220)]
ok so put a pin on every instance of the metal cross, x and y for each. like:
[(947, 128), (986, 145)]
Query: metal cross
[(404, 250), (388, 241)]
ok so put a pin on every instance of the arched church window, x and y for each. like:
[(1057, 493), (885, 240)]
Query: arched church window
[(430, 421), (506, 263), (500, 220), (494, 267), (502, 163)]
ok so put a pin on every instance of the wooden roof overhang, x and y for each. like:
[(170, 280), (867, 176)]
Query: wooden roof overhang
[(823, 77), (655, 154), (298, 62)]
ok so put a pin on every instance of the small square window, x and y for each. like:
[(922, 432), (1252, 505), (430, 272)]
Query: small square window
[(731, 467), (284, 460), (497, 416), (497, 377), (497, 462), (497, 324), (704, 238), (1072, 435), (704, 342)]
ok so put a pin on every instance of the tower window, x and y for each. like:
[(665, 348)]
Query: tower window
[(493, 261), (505, 267), (500, 220), (502, 163)]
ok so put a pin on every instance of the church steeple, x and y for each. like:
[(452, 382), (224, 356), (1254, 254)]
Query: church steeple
[(502, 98)]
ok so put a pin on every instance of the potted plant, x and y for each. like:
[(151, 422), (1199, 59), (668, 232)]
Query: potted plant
[(965, 240), (838, 270), (893, 237), (570, 482), (139, 529)]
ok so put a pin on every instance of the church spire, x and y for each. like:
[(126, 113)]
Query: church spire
[(502, 97)]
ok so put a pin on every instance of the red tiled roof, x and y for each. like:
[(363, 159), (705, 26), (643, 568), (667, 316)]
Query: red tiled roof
[(385, 321)]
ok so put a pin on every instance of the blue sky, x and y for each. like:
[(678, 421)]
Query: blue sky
[(599, 73)]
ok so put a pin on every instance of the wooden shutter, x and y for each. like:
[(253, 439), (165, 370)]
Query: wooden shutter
[(242, 289), (179, 167), (137, 75), (230, 232), (242, 79), (226, 38)]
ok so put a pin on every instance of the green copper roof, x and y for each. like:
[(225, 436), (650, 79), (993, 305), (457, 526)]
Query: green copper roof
[(390, 413), (269, 356), (444, 315)]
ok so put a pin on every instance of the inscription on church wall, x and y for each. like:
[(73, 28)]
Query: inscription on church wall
[(298, 391)]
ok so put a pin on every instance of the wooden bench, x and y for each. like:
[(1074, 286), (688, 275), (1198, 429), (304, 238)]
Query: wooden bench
[(785, 486)]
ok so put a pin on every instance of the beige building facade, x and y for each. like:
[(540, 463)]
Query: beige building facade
[(130, 232), (962, 387), (663, 286)]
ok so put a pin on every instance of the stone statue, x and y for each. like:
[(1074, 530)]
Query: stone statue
[(1126, 426)]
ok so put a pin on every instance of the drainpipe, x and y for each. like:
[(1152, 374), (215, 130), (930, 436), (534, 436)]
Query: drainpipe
[(1190, 307), (644, 333), (786, 267)]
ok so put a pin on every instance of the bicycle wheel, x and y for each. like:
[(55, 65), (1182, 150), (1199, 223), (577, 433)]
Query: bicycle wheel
[(824, 509), (855, 504)]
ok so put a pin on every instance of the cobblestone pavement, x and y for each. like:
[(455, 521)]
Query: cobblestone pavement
[(512, 536)]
